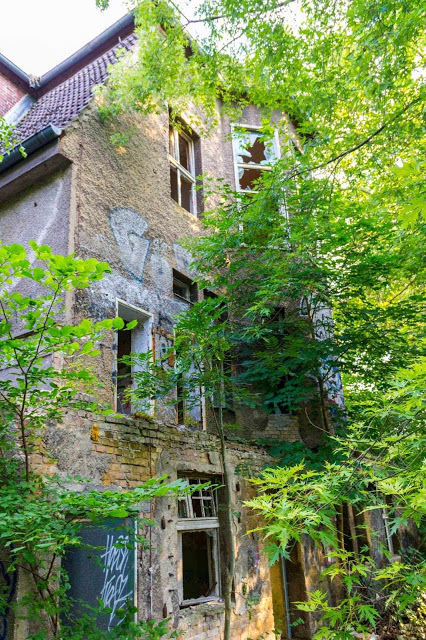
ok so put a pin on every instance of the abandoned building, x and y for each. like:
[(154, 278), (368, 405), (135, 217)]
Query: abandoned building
[(75, 193)]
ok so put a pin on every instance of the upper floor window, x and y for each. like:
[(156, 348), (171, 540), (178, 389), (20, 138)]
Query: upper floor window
[(254, 153), (182, 169)]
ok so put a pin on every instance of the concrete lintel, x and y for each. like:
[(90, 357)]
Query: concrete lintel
[(35, 167)]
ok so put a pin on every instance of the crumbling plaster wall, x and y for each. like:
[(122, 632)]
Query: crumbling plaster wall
[(123, 452), (123, 213)]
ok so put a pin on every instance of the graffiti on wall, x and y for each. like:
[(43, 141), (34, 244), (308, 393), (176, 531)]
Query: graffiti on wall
[(115, 590)]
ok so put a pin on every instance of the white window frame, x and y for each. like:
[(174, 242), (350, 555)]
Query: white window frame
[(194, 524), (180, 170), (243, 165), (139, 314)]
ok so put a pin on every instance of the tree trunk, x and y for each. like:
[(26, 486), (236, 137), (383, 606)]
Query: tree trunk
[(230, 569)]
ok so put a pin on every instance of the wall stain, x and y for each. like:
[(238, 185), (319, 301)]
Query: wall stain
[(129, 228)]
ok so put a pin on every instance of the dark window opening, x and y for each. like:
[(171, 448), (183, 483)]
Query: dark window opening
[(180, 405), (174, 184), (248, 178), (199, 570), (184, 288), (124, 372)]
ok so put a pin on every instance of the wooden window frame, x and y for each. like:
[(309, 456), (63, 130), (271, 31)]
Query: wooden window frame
[(184, 281), (180, 170)]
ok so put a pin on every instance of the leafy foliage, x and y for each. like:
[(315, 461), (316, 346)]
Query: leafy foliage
[(43, 360), (339, 226), (8, 139)]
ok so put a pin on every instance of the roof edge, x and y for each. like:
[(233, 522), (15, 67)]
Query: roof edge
[(92, 50), (11, 70), (30, 145)]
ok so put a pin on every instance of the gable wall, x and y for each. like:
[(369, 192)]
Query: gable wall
[(10, 94)]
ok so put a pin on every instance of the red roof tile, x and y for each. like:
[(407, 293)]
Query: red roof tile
[(62, 104)]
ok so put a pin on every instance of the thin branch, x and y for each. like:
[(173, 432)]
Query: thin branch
[(342, 155)]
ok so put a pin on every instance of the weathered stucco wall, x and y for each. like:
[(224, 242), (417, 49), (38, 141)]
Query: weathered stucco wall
[(39, 213)]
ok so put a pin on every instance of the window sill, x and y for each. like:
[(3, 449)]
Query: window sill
[(195, 524), (213, 604), (182, 299), (193, 216)]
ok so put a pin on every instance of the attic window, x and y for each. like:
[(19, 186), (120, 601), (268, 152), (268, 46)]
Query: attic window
[(253, 155)]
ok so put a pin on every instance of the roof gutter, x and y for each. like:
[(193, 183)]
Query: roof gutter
[(31, 145)]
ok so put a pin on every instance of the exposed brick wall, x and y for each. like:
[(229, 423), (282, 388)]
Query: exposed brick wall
[(10, 94), (123, 452)]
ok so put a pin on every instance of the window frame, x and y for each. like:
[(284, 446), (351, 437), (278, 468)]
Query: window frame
[(174, 161), (138, 314), (196, 524), (186, 282), (243, 165)]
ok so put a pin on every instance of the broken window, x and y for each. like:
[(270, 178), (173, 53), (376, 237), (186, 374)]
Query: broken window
[(136, 340), (253, 154), (182, 169), (198, 528)]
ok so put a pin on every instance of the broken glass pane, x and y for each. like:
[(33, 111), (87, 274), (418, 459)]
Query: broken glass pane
[(182, 508), (248, 177), (253, 149)]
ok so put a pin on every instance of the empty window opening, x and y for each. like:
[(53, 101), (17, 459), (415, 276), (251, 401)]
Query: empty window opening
[(180, 405), (134, 341), (253, 155), (182, 169), (198, 531), (184, 288), (198, 564), (124, 372)]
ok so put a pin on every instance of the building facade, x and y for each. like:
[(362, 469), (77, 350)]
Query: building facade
[(132, 208)]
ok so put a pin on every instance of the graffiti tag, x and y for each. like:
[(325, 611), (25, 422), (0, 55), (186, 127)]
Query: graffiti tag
[(115, 591)]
